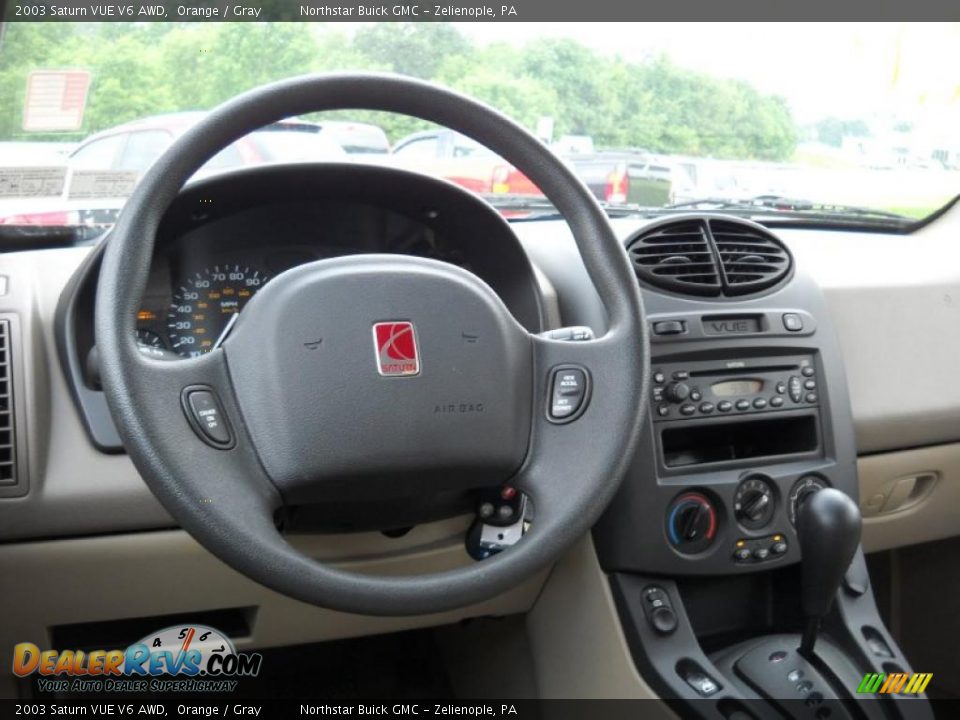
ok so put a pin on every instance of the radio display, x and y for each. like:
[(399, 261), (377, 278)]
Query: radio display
[(730, 388)]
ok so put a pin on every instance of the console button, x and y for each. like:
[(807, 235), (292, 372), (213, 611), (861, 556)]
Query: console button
[(792, 322), (696, 396), (776, 401), (669, 327), (659, 378), (569, 390), (724, 406), (702, 683), (706, 408), (810, 385), (760, 403), (207, 417), (811, 397), (778, 548), (659, 611), (688, 409), (743, 404), (663, 410), (742, 554), (761, 553), (807, 371), (781, 387), (681, 375), (796, 390)]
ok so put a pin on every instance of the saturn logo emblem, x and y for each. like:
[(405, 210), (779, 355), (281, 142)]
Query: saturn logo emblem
[(395, 345)]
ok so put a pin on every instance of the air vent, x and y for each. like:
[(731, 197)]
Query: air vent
[(8, 446), (677, 257), (709, 257), (751, 259)]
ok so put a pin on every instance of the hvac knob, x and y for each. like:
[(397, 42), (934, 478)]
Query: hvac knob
[(691, 522), (677, 392)]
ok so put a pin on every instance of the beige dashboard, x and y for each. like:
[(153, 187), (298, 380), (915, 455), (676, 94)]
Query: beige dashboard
[(895, 301)]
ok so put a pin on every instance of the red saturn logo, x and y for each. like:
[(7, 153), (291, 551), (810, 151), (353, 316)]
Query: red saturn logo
[(395, 344)]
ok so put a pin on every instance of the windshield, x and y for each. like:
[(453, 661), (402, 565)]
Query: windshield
[(819, 120)]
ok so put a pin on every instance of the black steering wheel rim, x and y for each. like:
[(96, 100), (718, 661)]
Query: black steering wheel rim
[(224, 498)]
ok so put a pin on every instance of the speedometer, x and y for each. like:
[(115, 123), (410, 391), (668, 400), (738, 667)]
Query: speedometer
[(202, 306)]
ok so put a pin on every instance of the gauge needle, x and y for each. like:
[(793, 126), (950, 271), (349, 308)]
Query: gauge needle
[(226, 331), (186, 646)]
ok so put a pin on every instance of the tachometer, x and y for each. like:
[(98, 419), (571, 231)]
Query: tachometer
[(202, 306)]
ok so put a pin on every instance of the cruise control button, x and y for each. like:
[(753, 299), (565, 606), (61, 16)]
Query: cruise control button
[(208, 418), (569, 388), (724, 406)]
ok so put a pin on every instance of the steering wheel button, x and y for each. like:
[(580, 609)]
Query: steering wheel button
[(568, 393), (208, 418)]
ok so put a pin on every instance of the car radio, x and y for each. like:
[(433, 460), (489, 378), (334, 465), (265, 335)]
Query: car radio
[(682, 390)]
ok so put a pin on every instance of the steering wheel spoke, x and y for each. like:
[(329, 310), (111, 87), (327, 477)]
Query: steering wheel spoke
[(579, 418)]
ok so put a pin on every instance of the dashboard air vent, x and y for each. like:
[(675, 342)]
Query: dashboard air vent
[(677, 257), (708, 256), (751, 259), (8, 446)]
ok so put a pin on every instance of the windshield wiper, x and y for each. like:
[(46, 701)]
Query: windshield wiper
[(791, 206)]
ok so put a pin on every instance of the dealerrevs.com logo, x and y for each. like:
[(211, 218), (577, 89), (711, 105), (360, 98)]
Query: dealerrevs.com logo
[(192, 658)]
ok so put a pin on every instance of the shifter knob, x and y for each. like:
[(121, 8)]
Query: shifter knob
[(828, 525)]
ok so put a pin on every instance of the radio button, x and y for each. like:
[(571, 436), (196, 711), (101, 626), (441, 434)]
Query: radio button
[(681, 375), (810, 385), (688, 409), (807, 371), (776, 401), (760, 403), (796, 391), (811, 397), (659, 378), (724, 406), (663, 410), (706, 408), (696, 396), (677, 391), (781, 387), (743, 404)]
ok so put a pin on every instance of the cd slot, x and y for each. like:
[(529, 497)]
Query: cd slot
[(718, 372)]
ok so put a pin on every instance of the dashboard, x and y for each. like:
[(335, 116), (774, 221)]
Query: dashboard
[(226, 237), (204, 277)]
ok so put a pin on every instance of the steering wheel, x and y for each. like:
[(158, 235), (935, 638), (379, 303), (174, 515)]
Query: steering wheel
[(419, 378)]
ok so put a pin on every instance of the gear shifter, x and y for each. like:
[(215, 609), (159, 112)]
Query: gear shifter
[(828, 525)]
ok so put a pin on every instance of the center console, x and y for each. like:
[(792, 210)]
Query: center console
[(748, 418)]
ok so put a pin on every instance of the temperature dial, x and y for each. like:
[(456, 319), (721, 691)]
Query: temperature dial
[(801, 491), (691, 523), (754, 502)]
